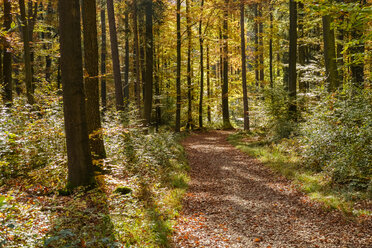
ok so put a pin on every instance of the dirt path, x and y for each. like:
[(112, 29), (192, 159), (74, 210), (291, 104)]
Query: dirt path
[(234, 201)]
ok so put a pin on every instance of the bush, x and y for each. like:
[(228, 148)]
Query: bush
[(337, 139)]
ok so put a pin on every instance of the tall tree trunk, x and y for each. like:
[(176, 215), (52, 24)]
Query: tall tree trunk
[(271, 49), (103, 57), (357, 53), (149, 49), (7, 57), (80, 169), (190, 123), (26, 53), (340, 48), (136, 49), (261, 46), (244, 68), (31, 21), (330, 54), (178, 79), (256, 48), (91, 78), (225, 85), (157, 84), (201, 40), (115, 55), (208, 86), (301, 45), (292, 75), (126, 60), (48, 60)]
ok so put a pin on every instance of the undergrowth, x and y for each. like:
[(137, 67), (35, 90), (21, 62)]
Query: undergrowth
[(151, 167)]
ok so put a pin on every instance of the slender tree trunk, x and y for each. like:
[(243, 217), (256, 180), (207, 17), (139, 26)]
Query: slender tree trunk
[(136, 49), (157, 85), (340, 48), (244, 68), (26, 53), (80, 169), (48, 60), (31, 20), (189, 83), (178, 79), (225, 85), (103, 57), (261, 47), (292, 75), (301, 45), (91, 78), (126, 60), (271, 49), (208, 86), (201, 40), (115, 56), (149, 64), (256, 48), (7, 57), (330, 54)]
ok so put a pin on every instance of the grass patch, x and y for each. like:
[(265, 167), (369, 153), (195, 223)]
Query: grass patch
[(282, 158)]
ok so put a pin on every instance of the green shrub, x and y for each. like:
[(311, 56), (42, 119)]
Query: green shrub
[(337, 139)]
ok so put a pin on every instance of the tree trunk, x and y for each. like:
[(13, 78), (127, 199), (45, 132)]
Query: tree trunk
[(48, 60), (7, 57), (138, 82), (103, 57), (256, 49), (201, 40), (244, 68), (292, 75), (271, 49), (330, 54), (301, 46), (26, 53), (225, 85), (178, 79), (126, 60), (208, 86), (261, 47), (91, 78), (80, 169), (189, 83), (115, 56), (149, 48)]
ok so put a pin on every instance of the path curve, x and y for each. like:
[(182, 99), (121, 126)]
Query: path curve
[(235, 201)]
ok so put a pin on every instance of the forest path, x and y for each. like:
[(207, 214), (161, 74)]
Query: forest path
[(235, 201)]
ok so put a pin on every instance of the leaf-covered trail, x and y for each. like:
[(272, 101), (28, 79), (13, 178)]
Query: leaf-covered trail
[(234, 201)]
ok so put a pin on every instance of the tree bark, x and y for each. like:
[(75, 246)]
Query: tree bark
[(7, 57), (126, 60), (149, 48), (225, 85), (91, 78), (244, 68), (80, 169), (261, 47), (330, 54), (115, 56), (292, 75), (136, 49), (201, 40), (103, 57), (26, 53), (190, 123), (178, 79), (208, 87)]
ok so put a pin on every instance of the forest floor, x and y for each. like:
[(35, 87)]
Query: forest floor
[(233, 200)]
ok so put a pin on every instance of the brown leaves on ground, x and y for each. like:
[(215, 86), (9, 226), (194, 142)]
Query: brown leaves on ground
[(235, 201)]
